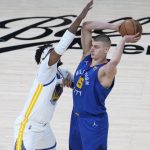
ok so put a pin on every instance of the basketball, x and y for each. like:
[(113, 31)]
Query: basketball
[(130, 27)]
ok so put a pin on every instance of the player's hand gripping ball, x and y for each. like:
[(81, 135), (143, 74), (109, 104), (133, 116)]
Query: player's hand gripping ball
[(130, 27)]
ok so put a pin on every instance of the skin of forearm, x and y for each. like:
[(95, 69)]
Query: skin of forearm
[(87, 36), (118, 52), (73, 28), (93, 25)]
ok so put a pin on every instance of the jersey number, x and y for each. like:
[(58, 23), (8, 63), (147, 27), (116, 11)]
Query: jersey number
[(80, 82)]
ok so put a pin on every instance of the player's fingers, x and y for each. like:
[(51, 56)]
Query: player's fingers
[(137, 34), (138, 38), (63, 82), (68, 83), (90, 4), (90, 8)]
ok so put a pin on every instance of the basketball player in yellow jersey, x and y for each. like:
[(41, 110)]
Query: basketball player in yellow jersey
[(32, 129)]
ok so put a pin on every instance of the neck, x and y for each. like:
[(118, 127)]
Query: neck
[(99, 61)]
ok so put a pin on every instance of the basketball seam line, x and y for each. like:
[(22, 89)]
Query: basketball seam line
[(125, 28), (133, 27)]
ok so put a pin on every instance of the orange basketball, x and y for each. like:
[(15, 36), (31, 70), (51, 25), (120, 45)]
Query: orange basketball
[(130, 27)]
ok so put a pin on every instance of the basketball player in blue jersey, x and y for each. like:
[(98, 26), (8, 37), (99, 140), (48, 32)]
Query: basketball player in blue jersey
[(93, 81), (32, 129)]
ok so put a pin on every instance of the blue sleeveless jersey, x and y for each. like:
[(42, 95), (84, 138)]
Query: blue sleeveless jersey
[(88, 94)]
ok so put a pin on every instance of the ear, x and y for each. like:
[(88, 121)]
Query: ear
[(106, 50)]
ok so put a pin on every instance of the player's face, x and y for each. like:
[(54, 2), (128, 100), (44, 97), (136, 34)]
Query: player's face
[(98, 49)]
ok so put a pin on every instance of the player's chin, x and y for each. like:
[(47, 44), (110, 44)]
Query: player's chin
[(92, 56)]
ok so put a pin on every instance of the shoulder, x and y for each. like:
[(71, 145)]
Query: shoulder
[(85, 56), (107, 70), (86, 59), (106, 75)]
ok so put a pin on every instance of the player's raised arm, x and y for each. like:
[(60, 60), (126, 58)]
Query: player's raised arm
[(131, 30), (86, 33), (109, 70), (119, 49), (68, 36)]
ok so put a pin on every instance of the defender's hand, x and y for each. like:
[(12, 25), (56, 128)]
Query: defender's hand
[(68, 81), (86, 9)]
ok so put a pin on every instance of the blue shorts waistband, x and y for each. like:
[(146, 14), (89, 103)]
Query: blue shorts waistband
[(88, 115)]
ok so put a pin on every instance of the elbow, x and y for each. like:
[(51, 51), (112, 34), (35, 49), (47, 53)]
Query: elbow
[(86, 25)]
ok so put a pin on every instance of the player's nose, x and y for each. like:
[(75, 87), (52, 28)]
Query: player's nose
[(92, 48)]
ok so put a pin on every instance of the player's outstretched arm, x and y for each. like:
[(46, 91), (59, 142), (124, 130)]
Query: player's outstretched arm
[(86, 33), (119, 49), (68, 36), (110, 68), (73, 28)]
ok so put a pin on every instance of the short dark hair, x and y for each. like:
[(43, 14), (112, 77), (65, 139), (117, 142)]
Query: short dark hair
[(104, 38), (39, 52)]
